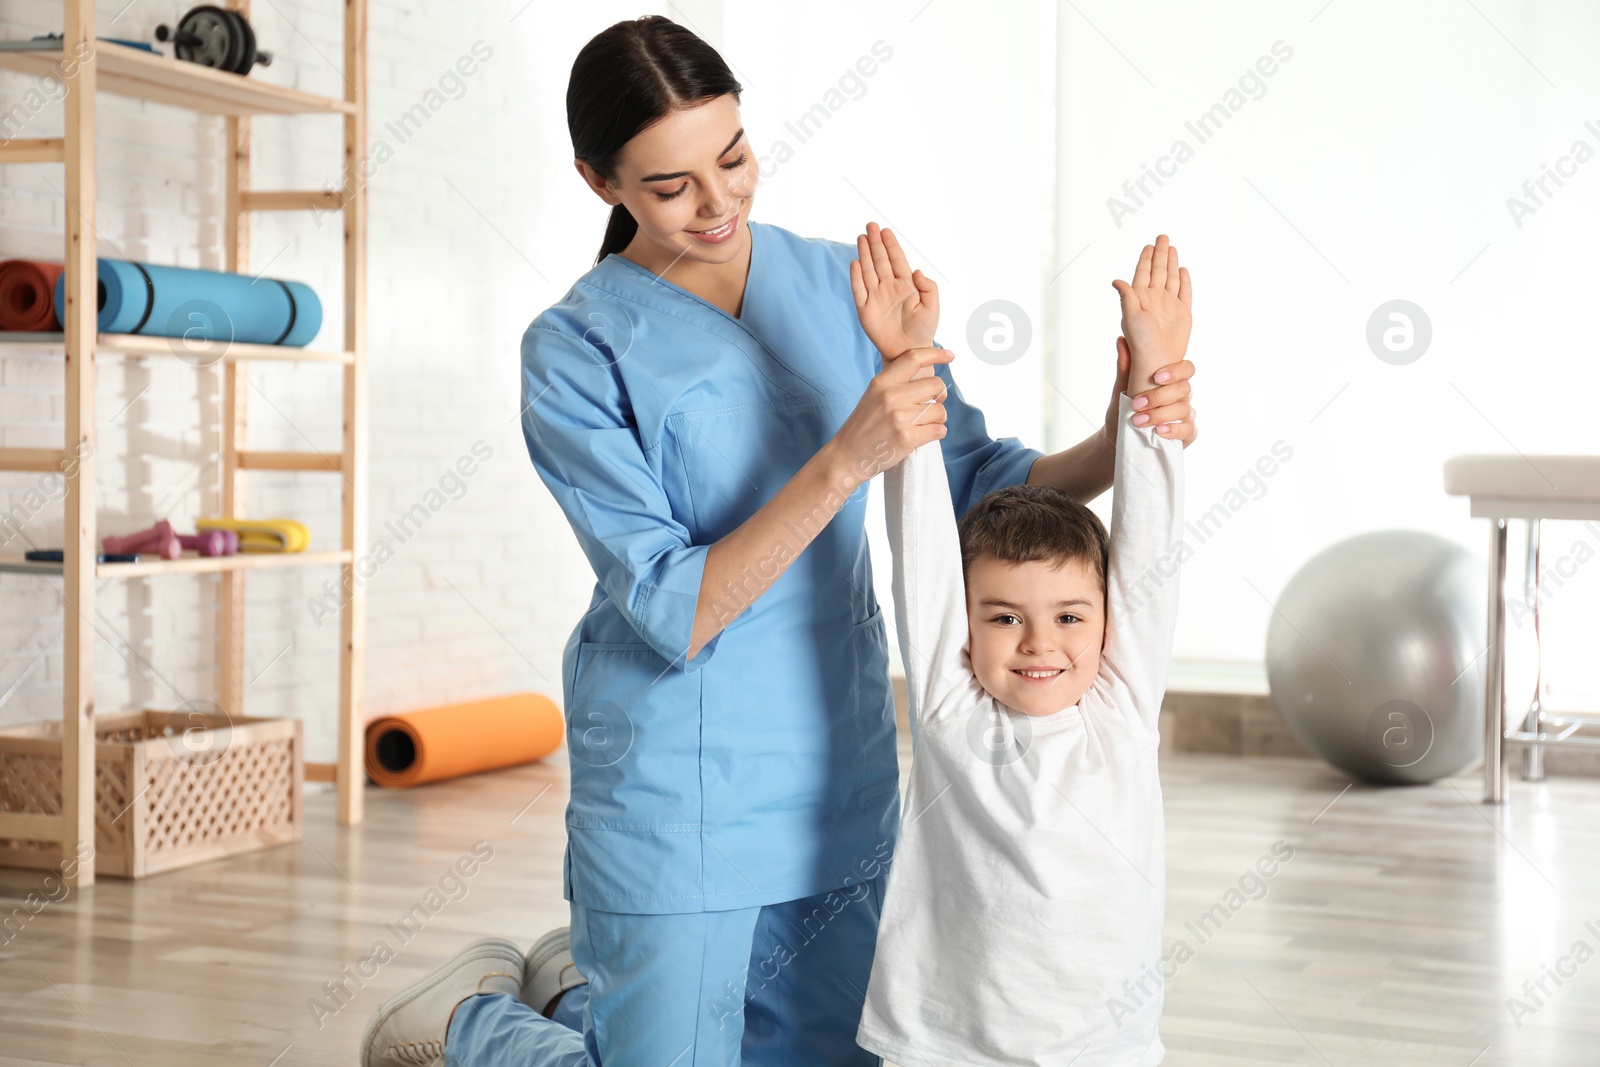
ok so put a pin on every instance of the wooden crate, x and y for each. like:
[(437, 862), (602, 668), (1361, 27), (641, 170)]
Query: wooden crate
[(171, 788)]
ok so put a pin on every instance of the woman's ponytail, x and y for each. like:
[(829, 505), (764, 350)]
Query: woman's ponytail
[(627, 78), (619, 231)]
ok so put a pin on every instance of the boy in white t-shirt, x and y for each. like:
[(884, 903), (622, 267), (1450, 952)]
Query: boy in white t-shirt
[(1022, 918)]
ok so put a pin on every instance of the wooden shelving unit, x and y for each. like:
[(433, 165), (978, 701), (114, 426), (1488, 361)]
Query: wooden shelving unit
[(124, 71)]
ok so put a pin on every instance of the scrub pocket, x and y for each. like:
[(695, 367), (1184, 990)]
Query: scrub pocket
[(732, 460), (633, 741)]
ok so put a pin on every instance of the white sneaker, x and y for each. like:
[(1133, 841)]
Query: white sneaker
[(408, 1029), (548, 970)]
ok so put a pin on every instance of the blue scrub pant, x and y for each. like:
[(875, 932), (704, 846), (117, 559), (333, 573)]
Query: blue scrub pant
[(779, 984)]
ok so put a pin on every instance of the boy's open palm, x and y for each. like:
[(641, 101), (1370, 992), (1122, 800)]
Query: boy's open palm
[(898, 307), (1155, 308)]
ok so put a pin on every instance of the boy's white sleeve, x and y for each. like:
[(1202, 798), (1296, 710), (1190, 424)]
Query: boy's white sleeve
[(930, 599), (1142, 579)]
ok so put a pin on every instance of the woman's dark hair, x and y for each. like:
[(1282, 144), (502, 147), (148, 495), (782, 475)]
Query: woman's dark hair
[(1024, 523), (627, 78)]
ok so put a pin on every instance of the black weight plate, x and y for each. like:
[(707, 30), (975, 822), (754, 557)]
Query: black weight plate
[(236, 40), (212, 26), (248, 60)]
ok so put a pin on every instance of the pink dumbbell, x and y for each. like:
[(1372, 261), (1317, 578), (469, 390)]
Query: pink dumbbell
[(211, 542), (158, 540)]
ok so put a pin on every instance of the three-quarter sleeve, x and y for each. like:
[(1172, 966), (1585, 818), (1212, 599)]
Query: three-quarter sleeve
[(976, 463), (584, 443)]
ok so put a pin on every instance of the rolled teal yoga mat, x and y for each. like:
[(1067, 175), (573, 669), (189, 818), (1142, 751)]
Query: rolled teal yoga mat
[(202, 305)]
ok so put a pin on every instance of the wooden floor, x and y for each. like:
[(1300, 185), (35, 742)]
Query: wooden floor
[(1394, 935)]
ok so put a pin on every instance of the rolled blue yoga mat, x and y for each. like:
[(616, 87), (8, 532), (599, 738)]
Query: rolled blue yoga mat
[(203, 305)]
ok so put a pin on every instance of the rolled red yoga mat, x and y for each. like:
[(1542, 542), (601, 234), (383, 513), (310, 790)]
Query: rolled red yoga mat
[(449, 741), (27, 295)]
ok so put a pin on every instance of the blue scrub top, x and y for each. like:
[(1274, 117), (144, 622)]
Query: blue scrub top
[(765, 769)]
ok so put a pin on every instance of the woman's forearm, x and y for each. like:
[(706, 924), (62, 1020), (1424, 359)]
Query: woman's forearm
[(744, 563), (1083, 471)]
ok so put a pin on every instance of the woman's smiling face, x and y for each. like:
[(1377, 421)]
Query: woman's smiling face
[(688, 181)]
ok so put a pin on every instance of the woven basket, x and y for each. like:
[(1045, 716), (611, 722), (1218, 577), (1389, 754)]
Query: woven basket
[(171, 788)]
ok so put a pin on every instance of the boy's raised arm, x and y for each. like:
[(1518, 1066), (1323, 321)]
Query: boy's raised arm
[(1147, 504), (899, 309), (1142, 575), (930, 599)]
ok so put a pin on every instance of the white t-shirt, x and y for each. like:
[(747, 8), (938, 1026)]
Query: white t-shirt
[(1022, 918)]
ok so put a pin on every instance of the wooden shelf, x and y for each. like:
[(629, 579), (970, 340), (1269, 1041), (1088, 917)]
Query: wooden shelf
[(137, 345), (134, 72), (246, 561), (144, 75)]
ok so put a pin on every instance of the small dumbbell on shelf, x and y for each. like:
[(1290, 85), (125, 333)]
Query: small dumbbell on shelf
[(161, 540), (158, 540), (211, 542)]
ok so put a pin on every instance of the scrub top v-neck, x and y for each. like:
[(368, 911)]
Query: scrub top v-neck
[(764, 769), (660, 279)]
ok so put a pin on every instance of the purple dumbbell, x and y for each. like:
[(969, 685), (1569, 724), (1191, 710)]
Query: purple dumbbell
[(211, 542)]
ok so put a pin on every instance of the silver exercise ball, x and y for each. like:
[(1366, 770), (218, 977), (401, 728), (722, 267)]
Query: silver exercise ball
[(1374, 656)]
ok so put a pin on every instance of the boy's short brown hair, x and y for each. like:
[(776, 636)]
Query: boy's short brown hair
[(1025, 523)]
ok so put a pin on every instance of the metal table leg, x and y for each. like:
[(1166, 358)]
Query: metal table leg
[(1494, 717), (1533, 718)]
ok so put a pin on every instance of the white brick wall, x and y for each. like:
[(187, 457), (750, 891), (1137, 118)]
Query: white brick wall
[(450, 294)]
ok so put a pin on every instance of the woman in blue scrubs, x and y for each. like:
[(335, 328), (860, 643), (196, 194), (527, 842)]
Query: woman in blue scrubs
[(707, 412)]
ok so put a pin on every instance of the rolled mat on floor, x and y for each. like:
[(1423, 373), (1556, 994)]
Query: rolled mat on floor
[(201, 305), (451, 740), (26, 295)]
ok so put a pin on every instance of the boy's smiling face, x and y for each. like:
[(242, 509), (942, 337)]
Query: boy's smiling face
[(1035, 616)]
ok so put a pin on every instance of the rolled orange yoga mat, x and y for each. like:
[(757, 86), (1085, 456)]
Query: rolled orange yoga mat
[(451, 740), (27, 300)]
